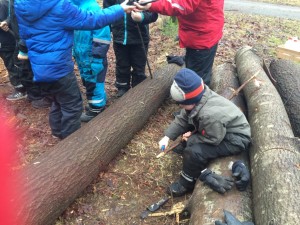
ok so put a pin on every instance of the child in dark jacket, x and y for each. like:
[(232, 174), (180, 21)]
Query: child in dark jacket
[(130, 41), (211, 126)]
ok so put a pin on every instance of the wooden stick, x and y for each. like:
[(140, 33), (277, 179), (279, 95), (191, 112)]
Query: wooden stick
[(177, 208), (235, 93), (173, 146)]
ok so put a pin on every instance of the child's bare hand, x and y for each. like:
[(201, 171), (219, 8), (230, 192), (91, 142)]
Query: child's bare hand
[(136, 16), (142, 7), (186, 135), (4, 26), (127, 8)]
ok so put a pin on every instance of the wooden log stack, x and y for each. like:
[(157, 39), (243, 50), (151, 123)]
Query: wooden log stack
[(286, 75), (274, 153)]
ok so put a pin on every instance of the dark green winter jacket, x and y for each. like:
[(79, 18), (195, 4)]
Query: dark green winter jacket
[(216, 119)]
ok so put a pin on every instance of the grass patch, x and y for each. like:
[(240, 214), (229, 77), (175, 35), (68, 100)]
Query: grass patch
[(170, 27), (281, 2)]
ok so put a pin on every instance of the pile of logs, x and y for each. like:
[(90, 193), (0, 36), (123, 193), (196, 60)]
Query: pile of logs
[(54, 180), (275, 149), (274, 153)]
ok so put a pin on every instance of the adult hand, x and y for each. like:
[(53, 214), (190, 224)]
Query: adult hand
[(163, 143), (136, 16), (216, 182), (242, 175), (4, 26), (127, 8), (142, 7)]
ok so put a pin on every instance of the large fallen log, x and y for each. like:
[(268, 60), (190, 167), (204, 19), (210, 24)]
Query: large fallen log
[(274, 153), (56, 178), (287, 81), (205, 205)]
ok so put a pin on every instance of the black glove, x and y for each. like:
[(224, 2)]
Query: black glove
[(216, 182), (231, 220), (242, 175), (179, 60)]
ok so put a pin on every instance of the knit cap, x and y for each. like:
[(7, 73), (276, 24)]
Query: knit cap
[(187, 88)]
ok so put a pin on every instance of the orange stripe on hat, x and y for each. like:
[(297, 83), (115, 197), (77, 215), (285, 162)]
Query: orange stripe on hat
[(195, 92)]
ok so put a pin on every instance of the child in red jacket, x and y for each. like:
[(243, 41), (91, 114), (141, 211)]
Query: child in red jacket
[(200, 29)]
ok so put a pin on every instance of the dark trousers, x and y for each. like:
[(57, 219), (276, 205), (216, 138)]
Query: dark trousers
[(197, 156), (25, 76), (127, 57), (8, 58), (20, 74), (66, 109), (201, 61)]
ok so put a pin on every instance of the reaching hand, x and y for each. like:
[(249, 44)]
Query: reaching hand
[(142, 7), (127, 8), (242, 175), (4, 26), (216, 182), (136, 16), (163, 143), (186, 135)]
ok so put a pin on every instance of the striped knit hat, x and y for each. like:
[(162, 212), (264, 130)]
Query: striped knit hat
[(187, 88)]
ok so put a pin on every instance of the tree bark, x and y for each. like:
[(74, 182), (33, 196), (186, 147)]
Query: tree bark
[(206, 205), (54, 180), (274, 153), (287, 76)]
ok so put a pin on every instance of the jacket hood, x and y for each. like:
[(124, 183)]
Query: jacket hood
[(34, 9)]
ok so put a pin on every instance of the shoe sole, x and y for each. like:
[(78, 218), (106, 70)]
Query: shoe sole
[(16, 99)]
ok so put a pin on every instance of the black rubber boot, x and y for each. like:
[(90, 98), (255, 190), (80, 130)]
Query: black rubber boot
[(181, 187), (90, 113), (121, 92)]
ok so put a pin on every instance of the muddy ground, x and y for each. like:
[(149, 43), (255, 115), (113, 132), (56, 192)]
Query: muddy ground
[(136, 179)]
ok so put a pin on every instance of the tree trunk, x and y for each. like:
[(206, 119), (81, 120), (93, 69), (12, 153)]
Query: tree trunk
[(274, 153), (54, 180), (225, 82), (206, 205), (287, 76)]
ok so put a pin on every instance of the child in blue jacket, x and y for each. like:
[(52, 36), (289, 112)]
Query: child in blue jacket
[(90, 50), (48, 30)]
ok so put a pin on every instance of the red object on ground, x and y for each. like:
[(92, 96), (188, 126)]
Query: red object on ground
[(8, 161)]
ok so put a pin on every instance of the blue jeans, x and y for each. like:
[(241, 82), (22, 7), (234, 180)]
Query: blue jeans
[(201, 61)]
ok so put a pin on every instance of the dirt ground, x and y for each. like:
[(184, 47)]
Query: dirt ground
[(136, 179)]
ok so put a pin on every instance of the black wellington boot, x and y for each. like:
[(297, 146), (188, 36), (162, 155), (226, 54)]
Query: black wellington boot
[(181, 187), (90, 113)]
